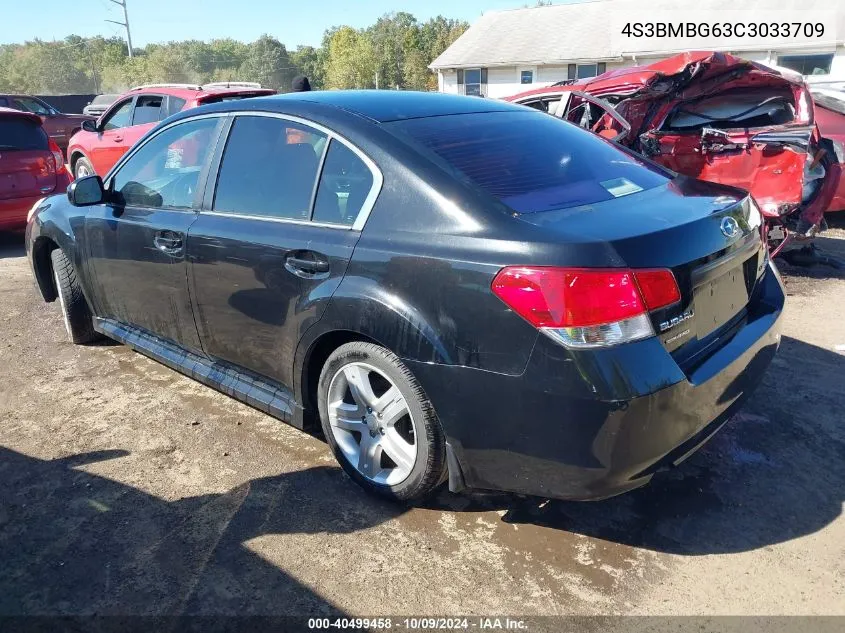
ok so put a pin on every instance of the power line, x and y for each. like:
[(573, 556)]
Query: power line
[(125, 23)]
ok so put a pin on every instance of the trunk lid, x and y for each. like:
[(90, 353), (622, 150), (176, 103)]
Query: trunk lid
[(27, 166), (709, 237)]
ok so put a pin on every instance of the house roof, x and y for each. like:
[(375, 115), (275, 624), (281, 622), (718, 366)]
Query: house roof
[(566, 33)]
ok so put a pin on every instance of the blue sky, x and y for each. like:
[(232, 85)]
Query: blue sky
[(291, 21)]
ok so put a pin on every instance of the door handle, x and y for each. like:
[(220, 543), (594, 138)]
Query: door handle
[(308, 265), (301, 265), (168, 242), (117, 139)]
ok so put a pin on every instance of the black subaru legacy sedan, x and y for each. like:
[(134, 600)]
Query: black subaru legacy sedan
[(456, 289)]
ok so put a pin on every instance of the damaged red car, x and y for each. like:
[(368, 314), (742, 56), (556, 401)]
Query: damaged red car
[(715, 117)]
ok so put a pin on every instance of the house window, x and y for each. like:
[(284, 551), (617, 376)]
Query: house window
[(807, 64), (583, 71), (472, 81), (526, 77)]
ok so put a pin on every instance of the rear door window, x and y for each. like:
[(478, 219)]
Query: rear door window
[(530, 161), (269, 168), (20, 134), (121, 116), (345, 184), (147, 110)]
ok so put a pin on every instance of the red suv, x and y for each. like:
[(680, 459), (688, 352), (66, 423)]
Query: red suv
[(98, 146), (31, 166)]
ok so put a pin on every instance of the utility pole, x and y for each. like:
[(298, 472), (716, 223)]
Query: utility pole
[(124, 24), (93, 68)]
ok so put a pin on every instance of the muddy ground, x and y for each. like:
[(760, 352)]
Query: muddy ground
[(128, 488)]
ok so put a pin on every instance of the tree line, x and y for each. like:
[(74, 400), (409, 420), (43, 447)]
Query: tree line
[(392, 53)]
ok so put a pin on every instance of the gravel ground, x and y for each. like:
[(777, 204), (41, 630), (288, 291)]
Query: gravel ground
[(126, 488)]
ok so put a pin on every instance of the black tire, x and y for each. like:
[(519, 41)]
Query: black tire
[(79, 322), (85, 164), (429, 469)]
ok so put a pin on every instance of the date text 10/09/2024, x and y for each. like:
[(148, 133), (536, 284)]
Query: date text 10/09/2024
[(419, 624)]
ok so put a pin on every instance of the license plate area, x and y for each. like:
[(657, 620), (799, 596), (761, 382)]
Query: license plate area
[(718, 300)]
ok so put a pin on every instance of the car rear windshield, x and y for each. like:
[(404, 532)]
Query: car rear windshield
[(17, 133), (531, 161)]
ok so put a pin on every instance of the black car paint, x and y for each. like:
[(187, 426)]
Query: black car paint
[(520, 412)]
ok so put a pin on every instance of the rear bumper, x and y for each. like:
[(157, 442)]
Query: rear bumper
[(589, 425), (13, 212)]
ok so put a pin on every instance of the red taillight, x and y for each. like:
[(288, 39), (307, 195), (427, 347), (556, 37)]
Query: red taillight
[(564, 297), (658, 288), (58, 157), (586, 307)]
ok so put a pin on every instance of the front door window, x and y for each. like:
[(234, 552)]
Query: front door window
[(165, 171), (120, 117)]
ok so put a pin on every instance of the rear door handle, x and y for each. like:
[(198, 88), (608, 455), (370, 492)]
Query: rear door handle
[(168, 242), (117, 139), (303, 266)]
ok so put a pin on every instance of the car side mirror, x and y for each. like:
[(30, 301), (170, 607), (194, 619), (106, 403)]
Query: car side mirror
[(86, 191), (89, 126)]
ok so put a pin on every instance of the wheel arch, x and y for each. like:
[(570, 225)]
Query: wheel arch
[(42, 266), (313, 357)]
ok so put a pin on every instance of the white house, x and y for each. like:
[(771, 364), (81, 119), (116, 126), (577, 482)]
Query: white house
[(506, 52)]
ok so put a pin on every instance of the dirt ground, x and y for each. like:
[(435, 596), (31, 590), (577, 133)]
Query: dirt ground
[(126, 488)]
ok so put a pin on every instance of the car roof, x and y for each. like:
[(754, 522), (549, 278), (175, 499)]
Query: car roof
[(9, 112), (392, 105)]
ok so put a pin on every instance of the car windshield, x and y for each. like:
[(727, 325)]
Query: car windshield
[(531, 161)]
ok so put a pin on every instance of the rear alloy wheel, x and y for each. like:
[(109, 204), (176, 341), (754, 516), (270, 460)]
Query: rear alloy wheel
[(79, 322), (379, 423), (82, 168)]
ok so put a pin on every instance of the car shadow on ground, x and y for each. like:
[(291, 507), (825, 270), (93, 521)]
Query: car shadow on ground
[(11, 244), (774, 473), (79, 544)]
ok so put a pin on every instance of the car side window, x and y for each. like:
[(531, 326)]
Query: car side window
[(4, 102), (594, 115), (345, 183), (165, 171), (32, 105), (269, 168), (147, 110), (119, 117), (174, 105)]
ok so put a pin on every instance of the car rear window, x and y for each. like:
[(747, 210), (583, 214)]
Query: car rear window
[(531, 161), (20, 134)]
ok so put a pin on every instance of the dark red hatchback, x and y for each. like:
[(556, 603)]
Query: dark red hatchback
[(31, 166)]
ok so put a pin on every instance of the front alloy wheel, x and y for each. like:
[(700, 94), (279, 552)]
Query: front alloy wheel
[(82, 169)]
